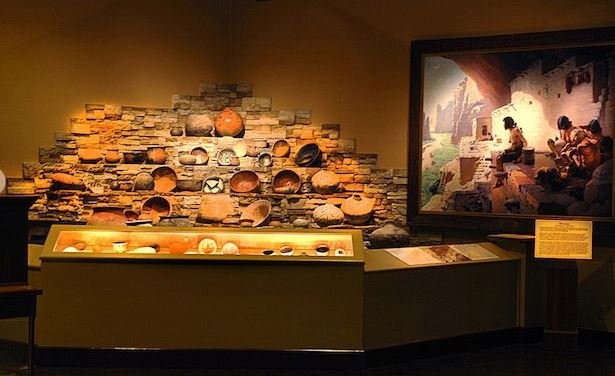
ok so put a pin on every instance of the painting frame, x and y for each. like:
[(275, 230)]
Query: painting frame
[(516, 44)]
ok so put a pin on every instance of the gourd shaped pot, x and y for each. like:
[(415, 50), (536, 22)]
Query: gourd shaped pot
[(199, 126), (325, 182), (328, 215), (228, 123), (358, 209)]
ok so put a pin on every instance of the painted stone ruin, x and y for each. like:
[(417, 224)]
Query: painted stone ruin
[(221, 158)]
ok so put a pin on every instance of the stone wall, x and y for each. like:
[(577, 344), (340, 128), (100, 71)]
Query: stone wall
[(85, 152)]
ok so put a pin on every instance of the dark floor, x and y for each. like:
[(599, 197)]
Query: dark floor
[(512, 360)]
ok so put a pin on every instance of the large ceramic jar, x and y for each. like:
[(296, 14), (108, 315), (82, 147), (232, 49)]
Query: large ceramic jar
[(199, 125), (228, 123), (325, 182), (358, 209), (328, 215)]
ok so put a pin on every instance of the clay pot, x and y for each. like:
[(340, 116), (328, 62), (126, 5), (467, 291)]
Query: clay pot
[(328, 215), (155, 207), (199, 125), (89, 155), (308, 155), (389, 236), (265, 159), (286, 181), (357, 209), (228, 123), (226, 157), (156, 155), (252, 151), (244, 181), (108, 215), (177, 131), (258, 212), (131, 215), (325, 182), (143, 182), (201, 156), (213, 184), (280, 148), (215, 208), (240, 149), (187, 159), (113, 156), (134, 157), (190, 185), (165, 179)]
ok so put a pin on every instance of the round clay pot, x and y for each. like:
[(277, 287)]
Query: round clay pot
[(308, 155), (113, 156), (357, 209), (134, 157), (227, 157), (286, 181), (155, 207), (143, 182), (244, 181), (187, 159), (213, 184), (199, 126), (177, 131), (165, 179), (280, 148), (240, 148), (228, 123), (215, 208), (328, 215), (257, 212), (325, 182), (265, 159), (156, 155), (107, 215), (201, 156)]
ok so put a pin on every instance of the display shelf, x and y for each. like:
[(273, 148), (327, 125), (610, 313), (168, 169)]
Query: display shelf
[(202, 243)]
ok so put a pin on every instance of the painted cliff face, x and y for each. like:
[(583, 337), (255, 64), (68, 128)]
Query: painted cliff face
[(465, 99)]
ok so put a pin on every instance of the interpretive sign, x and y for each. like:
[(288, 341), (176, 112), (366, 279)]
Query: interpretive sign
[(563, 239)]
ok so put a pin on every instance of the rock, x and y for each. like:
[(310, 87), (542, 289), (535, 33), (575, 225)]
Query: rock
[(389, 236)]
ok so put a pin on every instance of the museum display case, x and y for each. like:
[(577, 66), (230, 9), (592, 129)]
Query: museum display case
[(200, 288)]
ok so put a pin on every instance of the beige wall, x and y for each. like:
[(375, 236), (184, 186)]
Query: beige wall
[(347, 60), (59, 55)]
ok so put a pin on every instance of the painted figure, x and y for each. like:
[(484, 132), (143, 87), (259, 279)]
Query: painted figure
[(517, 142)]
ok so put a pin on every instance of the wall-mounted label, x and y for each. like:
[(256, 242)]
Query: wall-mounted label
[(563, 239)]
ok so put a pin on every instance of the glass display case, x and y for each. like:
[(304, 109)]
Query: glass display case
[(67, 241)]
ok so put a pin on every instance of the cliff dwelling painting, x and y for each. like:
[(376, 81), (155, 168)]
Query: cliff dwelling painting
[(526, 132)]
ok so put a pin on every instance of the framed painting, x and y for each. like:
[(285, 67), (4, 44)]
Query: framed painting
[(510, 128)]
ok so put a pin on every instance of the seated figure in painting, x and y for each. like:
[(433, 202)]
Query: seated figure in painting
[(589, 148), (564, 125), (517, 142)]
